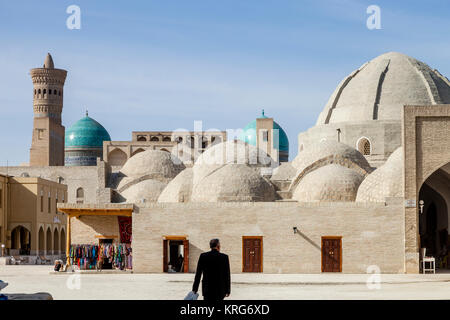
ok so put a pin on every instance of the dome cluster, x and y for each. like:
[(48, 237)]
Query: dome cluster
[(328, 171), (145, 175), (228, 171)]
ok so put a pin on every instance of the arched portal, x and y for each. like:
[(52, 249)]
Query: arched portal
[(56, 247), (434, 220), (49, 242), (41, 248), (21, 240)]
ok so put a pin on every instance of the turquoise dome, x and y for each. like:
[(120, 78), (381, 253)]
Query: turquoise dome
[(249, 135), (86, 133)]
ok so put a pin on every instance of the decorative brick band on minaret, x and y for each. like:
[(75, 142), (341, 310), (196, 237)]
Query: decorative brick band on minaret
[(47, 146)]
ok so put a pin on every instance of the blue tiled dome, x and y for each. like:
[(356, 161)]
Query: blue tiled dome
[(86, 133), (249, 135)]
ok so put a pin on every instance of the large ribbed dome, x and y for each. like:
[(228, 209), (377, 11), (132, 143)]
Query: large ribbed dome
[(379, 89)]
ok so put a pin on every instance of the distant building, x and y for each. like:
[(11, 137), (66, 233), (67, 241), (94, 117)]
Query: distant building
[(186, 145), (268, 136), (30, 223)]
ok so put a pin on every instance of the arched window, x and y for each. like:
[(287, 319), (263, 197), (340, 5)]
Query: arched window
[(364, 146), (179, 139), (42, 201), (50, 91), (141, 138), (166, 139), (154, 139), (54, 91), (80, 195), (192, 142), (59, 93), (49, 202)]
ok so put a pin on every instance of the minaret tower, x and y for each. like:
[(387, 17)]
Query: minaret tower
[(47, 146)]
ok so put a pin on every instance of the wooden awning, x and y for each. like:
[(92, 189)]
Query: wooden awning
[(109, 209)]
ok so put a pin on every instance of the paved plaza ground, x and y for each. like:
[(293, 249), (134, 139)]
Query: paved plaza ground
[(96, 286)]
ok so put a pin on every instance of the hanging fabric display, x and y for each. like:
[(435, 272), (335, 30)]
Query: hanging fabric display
[(125, 229), (88, 257)]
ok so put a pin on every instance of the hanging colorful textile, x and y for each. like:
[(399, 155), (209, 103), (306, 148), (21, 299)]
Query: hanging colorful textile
[(125, 229), (87, 256)]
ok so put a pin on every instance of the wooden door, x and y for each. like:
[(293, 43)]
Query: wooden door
[(252, 251), (331, 254), (186, 256), (165, 255)]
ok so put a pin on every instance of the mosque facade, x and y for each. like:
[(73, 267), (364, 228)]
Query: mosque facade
[(368, 189)]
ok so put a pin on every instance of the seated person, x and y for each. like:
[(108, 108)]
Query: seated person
[(58, 266)]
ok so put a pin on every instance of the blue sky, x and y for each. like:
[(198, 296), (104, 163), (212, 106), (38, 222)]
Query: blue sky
[(160, 65)]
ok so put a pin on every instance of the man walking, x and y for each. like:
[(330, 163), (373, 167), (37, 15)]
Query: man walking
[(215, 267)]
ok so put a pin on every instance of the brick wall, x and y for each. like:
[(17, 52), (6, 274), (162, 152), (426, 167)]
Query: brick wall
[(86, 229), (372, 234)]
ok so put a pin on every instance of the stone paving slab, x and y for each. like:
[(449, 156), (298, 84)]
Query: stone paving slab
[(122, 286)]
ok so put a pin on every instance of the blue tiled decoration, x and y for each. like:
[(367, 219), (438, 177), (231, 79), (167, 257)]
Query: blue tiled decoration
[(249, 135), (84, 142)]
